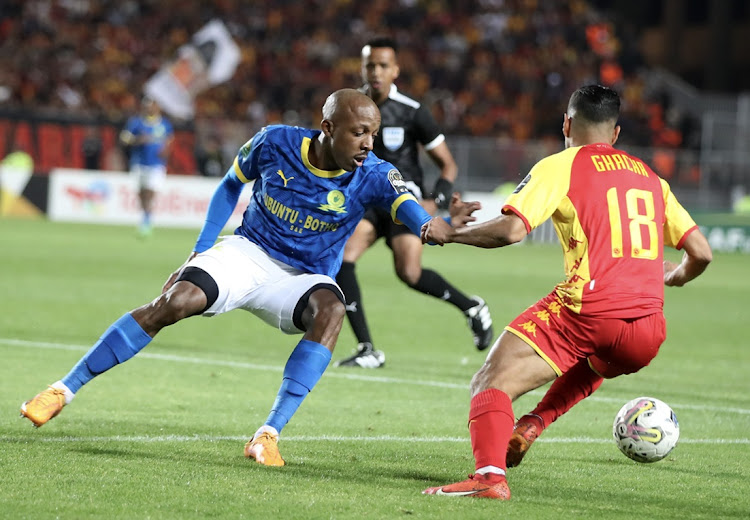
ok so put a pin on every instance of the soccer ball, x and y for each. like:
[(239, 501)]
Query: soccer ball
[(646, 429)]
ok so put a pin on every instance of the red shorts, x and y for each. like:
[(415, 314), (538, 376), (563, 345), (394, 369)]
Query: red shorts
[(613, 346)]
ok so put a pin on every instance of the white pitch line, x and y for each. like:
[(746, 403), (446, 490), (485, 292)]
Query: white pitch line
[(338, 375), (330, 438)]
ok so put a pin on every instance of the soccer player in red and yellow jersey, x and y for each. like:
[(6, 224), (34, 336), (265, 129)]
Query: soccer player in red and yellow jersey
[(613, 216)]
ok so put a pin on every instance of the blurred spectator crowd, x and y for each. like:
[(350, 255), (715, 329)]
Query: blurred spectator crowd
[(494, 68)]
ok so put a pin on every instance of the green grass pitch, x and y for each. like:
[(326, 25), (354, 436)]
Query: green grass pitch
[(162, 435)]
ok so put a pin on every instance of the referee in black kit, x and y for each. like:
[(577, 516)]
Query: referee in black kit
[(406, 124)]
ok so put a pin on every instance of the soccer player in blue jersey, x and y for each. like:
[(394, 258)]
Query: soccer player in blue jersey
[(149, 138), (311, 189)]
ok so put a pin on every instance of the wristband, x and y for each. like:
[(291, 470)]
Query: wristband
[(442, 193)]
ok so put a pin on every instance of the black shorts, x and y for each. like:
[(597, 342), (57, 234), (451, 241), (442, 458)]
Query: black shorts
[(384, 225)]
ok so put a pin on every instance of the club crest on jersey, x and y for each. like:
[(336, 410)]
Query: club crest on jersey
[(524, 182), (335, 201), (393, 137), (397, 181)]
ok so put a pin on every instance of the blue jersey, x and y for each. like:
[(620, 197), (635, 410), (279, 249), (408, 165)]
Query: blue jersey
[(158, 131), (302, 215)]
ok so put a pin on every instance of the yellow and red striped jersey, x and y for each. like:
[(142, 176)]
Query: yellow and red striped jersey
[(613, 216)]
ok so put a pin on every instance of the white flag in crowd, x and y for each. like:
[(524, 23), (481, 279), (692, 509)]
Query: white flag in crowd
[(210, 58)]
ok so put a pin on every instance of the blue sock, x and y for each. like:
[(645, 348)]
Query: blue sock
[(120, 342), (303, 370)]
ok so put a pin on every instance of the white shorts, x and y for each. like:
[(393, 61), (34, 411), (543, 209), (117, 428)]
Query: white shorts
[(149, 177), (250, 279)]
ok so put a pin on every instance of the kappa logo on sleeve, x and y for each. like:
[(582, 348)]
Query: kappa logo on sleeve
[(524, 182), (397, 181)]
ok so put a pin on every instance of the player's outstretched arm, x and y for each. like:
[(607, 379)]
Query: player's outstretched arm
[(697, 256), (498, 232)]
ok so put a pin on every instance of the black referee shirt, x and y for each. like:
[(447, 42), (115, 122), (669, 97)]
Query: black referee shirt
[(405, 123)]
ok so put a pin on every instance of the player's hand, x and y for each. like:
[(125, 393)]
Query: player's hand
[(437, 232), (671, 274), (461, 211), (173, 277)]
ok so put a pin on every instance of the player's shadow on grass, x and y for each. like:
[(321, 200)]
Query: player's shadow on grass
[(295, 468), (359, 467), (194, 457)]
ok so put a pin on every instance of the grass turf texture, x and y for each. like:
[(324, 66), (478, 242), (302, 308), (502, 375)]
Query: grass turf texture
[(162, 435)]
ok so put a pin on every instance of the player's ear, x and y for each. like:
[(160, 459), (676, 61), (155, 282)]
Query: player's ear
[(396, 71), (615, 134), (566, 125), (327, 127)]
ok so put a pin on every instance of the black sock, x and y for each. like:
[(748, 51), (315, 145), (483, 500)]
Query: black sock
[(435, 285), (347, 280)]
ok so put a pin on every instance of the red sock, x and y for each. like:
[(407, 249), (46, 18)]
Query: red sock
[(490, 425), (570, 388)]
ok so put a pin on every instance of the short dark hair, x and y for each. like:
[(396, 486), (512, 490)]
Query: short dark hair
[(383, 41), (595, 104)]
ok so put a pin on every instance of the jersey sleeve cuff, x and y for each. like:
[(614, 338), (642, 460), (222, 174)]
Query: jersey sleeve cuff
[(510, 209), (684, 237)]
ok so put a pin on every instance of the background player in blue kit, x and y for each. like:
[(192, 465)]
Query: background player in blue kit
[(406, 125), (149, 137), (311, 189)]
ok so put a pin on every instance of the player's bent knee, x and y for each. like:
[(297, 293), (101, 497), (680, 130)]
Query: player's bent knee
[(408, 271), (186, 301), (483, 379), (409, 276), (331, 310), (512, 367), (180, 301), (478, 383), (321, 304)]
